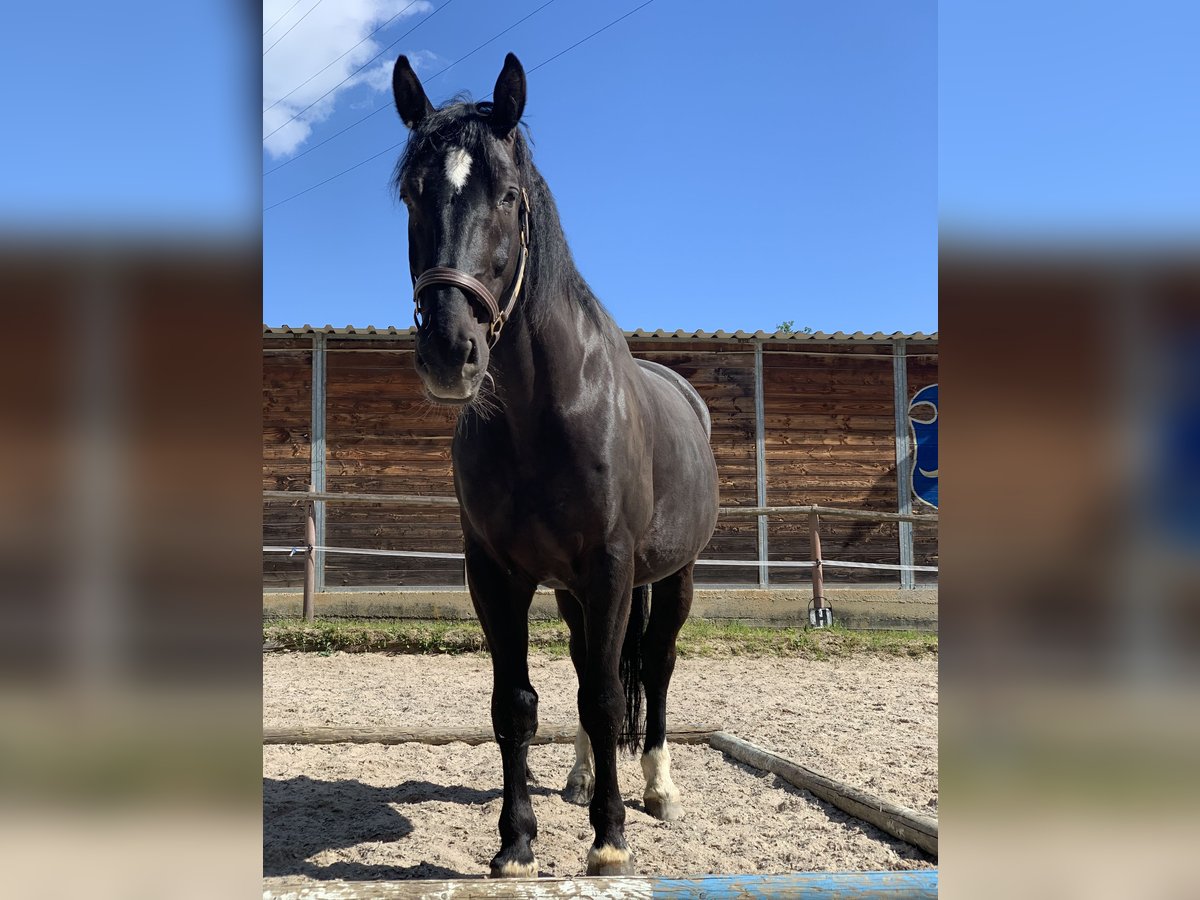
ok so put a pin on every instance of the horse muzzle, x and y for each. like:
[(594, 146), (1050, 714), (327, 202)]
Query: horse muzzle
[(452, 366)]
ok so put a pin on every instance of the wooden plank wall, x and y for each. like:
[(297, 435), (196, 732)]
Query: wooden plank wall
[(723, 373), (287, 411), (830, 440), (922, 372), (382, 436)]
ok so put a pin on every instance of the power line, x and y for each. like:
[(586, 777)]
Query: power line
[(488, 41), (396, 146), (387, 104), (294, 24), (360, 68), (327, 140), (589, 37), (351, 50), (281, 18)]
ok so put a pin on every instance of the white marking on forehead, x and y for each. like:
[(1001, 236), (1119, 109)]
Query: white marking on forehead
[(458, 167)]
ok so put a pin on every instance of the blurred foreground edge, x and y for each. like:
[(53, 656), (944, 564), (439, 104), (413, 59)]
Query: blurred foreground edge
[(1070, 582), (130, 646)]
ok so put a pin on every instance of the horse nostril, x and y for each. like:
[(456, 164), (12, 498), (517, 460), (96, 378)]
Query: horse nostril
[(473, 353)]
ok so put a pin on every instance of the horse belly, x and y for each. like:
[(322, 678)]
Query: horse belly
[(667, 550), (685, 508)]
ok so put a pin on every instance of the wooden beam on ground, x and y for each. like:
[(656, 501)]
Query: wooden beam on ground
[(898, 821), (547, 734), (918, 884)]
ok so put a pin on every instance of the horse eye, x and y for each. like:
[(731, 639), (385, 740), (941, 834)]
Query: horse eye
[(509, 199)]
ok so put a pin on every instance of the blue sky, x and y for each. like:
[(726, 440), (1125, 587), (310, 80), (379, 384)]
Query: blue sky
[(686, 146), (692, 140), (130, 116), (1071, 119)]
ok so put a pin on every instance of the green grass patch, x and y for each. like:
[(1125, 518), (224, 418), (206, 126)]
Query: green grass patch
[(699, 637)]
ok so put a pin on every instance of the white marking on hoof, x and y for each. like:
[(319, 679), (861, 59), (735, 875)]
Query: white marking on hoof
[(516, 870), (609, 861), (661, 796), (582, 780), (458, 168)]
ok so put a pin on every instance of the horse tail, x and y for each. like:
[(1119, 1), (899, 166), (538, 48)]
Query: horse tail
[(631, 669)]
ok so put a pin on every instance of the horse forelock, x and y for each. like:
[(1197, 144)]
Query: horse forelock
[(461, 125)]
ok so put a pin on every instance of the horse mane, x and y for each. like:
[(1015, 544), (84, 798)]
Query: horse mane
[(552, 270)]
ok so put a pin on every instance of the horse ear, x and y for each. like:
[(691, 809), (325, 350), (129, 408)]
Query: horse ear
[(411, 102), (508, 99)]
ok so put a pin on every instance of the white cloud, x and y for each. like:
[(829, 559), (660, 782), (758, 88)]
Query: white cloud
[(425, 62), (330, 30), (379, 76)]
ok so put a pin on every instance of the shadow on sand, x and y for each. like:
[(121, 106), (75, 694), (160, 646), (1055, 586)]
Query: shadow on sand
[(303, 816)]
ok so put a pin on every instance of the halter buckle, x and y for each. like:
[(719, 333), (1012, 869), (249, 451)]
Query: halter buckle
[(494, 329)]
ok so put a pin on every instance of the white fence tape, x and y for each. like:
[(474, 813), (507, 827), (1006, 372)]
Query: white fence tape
[(780, 564)]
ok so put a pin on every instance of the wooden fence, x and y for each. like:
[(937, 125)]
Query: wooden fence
[(818, 420), (313, 498)]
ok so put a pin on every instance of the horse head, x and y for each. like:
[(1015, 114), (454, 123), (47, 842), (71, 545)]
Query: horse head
[(468, 225)]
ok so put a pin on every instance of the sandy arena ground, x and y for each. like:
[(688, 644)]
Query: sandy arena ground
[(414, 811)]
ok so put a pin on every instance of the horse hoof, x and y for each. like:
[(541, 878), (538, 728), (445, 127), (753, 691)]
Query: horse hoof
[(610, 861), (510, 868), (664, 810), (579, 790)]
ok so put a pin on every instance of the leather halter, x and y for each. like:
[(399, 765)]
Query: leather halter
[(475, 289)]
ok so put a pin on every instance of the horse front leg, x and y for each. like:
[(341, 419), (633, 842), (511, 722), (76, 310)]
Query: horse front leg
[(606, 603), (502, 603)]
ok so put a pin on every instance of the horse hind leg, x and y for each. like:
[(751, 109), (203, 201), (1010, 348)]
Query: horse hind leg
[(671, 602), (606, 591), (581, 781)]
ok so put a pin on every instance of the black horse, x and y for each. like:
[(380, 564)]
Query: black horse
[(576, 466)]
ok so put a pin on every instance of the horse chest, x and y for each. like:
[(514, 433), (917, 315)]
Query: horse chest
[(544, 511)]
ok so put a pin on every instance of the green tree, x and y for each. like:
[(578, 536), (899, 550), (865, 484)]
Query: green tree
[(789, 327)]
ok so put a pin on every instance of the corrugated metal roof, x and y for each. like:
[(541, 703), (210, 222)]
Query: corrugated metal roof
[(640, 333)]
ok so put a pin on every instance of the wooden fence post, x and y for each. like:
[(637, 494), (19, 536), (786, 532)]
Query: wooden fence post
[(310, 557), (818, 576)]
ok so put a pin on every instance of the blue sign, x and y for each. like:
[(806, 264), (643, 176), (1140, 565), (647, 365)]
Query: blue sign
[(1174, 472), (923, 419)]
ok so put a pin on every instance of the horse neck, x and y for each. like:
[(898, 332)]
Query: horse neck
[(555, 323), (537, 359)]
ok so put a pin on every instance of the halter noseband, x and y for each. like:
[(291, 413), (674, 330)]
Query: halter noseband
[(476, 289)]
